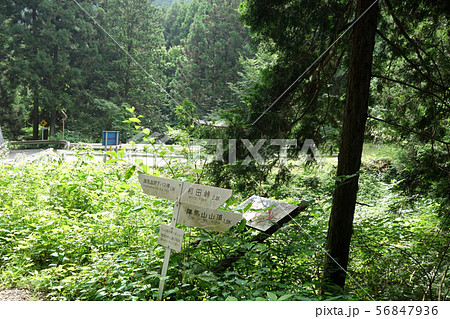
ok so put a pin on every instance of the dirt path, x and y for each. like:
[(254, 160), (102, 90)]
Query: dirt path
[(18, 295)]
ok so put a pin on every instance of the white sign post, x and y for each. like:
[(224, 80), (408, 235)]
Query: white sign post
[(170, 237), (207, 218), (195, 204), (169, 243)]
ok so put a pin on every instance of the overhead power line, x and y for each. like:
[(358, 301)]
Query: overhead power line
[(315, 61), (127, 53)]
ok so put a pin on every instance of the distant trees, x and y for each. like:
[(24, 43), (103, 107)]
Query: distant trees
[(113, 81), (54, 57), (13, 113), (212, 40)]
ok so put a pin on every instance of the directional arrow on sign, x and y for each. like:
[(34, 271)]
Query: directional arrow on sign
[(160, 187), (206, 218), (204, 196), (193, 194)]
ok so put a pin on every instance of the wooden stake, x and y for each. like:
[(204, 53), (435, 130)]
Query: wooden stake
[(165, 266)]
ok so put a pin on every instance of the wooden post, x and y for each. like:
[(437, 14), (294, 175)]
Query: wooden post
[(64, 117), (176, 211)]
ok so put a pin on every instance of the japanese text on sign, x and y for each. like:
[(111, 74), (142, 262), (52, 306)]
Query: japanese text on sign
[(160, 187), (170, 237), (205, 196), (209, 219)]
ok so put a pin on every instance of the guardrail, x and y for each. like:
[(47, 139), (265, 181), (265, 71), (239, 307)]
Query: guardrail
[(66, 144)]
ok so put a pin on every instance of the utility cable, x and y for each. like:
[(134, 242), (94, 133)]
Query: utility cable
[(128, 54), (316, 61), (319, 245)]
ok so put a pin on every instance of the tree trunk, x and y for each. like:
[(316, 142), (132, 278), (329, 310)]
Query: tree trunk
[(52, 122), (340, 227), (35, 113)]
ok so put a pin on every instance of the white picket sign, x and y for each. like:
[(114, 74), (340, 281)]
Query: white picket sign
[(190, 200)]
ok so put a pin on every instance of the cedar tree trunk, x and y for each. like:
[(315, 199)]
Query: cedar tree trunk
[(340, 227)]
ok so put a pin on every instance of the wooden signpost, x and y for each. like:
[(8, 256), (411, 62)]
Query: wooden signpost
[(195, 205)]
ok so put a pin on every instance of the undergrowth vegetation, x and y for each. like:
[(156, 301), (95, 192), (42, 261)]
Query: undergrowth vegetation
[(84, 230)]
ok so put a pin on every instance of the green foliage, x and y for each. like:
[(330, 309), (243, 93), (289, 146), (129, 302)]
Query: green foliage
[(69, 218), (424, 169), (409, 92), (85, 231), (123, 276), (55, 58), (60, 60), (400, 250), (212, 41), (295, 33)]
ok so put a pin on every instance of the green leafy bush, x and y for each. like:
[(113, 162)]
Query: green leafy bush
[(85, 231)]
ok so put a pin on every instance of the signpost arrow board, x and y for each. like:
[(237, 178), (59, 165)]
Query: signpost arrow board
[(193, 194), (206, 218), (204, 196), (190, 199), (160, 187)]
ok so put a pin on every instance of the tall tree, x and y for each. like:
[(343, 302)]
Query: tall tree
[(118, 80), (42, 48), (177, 22), (56, 54), (13, 116), (212, 49), (340, 227)]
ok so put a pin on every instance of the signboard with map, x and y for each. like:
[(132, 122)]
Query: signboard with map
[(266, 215)]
